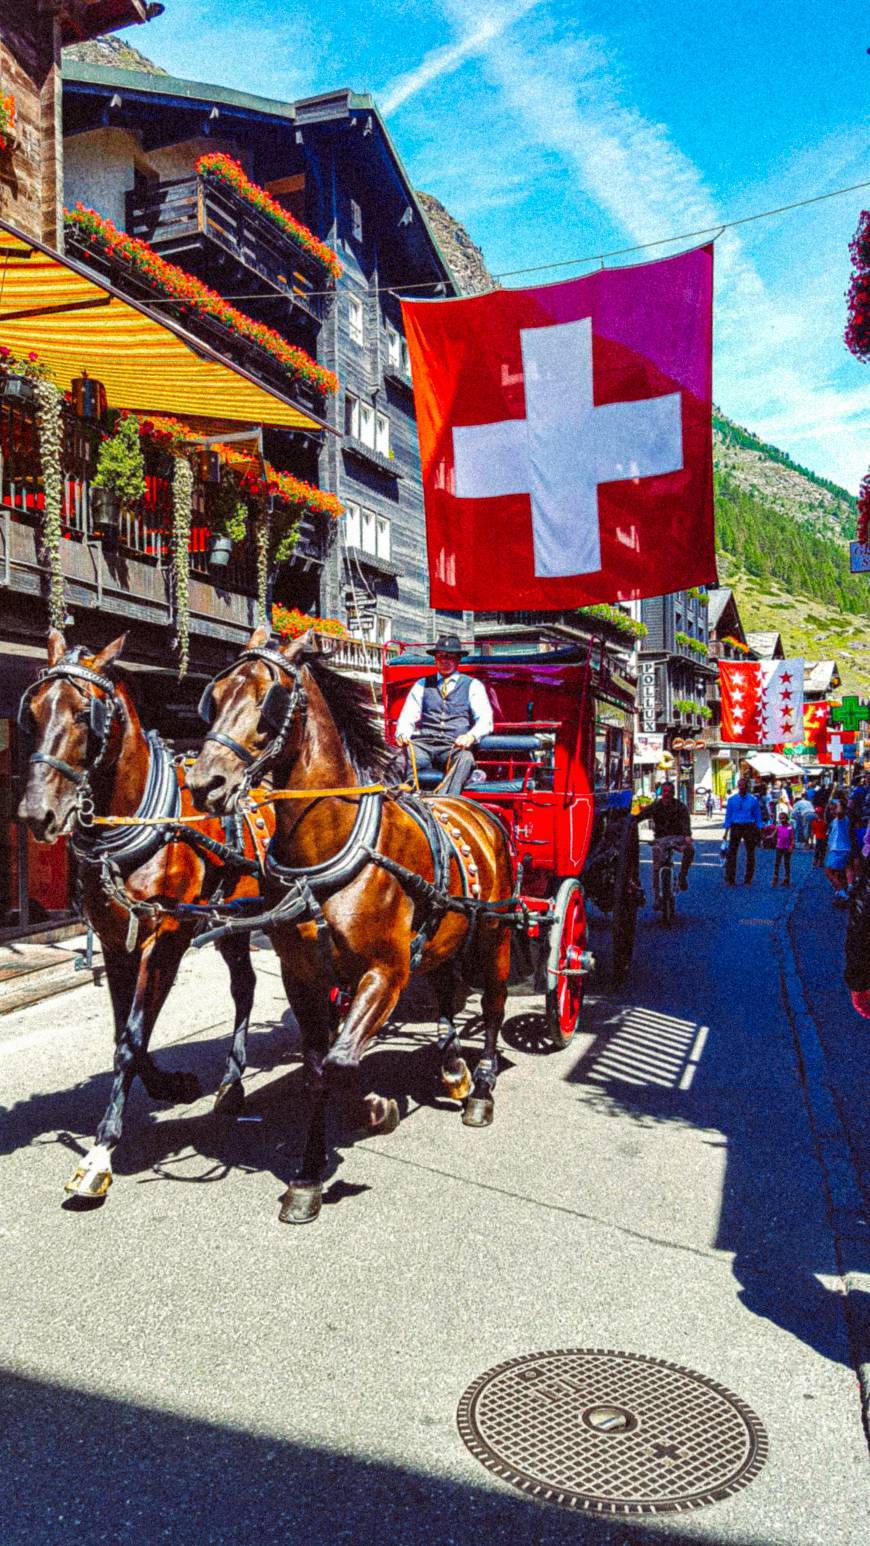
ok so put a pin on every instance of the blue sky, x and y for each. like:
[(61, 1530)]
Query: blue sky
[(558, 128)]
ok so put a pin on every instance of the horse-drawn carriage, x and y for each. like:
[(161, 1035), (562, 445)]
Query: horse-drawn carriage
[(360, 882), (556, 771)]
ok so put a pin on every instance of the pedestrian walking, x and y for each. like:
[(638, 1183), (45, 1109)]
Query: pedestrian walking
[(708, 804), (838, 850), (858, 813), (803, 816), (819, 835), (743, 823), (784, 847)]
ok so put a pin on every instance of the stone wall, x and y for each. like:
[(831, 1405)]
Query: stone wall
[(30, 172)]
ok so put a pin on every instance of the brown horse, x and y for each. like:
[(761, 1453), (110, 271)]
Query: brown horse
[(357, 863), (92, 756)]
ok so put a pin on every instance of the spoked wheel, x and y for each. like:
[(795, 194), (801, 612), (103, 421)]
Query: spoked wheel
[(565, 964), (627, 896), (666, 881)]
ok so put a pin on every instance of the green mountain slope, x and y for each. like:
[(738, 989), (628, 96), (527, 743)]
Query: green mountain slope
[(782, 537)]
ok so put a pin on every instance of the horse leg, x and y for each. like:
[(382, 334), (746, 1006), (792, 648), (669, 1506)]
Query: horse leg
[(495, 953), (302, 1200), (158, 965), (237, 954), (375, 998), (455, 1074)]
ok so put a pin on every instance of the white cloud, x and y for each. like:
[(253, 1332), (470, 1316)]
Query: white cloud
[(443, 61)]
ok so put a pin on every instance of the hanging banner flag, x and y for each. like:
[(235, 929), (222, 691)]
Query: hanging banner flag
[(837, 746), (565, 438), (782, 700), (815, 720), (762, 700)]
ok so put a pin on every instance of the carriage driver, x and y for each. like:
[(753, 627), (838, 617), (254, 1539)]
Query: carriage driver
[(446, 718)]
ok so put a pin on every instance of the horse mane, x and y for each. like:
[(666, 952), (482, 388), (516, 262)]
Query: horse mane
[(356, 719)]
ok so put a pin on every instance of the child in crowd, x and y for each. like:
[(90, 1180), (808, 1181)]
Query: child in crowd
[(839, 848), (819, 835), (784, 846)]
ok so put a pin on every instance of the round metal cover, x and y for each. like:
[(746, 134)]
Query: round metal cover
[(613, 1433)]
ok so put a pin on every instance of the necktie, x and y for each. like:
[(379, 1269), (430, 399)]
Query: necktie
[(443, 688)]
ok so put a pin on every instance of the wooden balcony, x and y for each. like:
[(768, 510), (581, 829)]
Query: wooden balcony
[(130, 577), (183, 219)]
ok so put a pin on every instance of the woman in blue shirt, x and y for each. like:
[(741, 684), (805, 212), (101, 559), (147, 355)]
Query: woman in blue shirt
[(839, 848)]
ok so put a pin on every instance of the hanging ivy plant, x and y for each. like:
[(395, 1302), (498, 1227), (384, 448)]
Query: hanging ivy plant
[(182, 515), (226, 510), (261, 542), (50, 422)]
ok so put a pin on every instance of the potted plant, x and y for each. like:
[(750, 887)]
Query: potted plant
[(119, 481), (228, 519), (20, 375)]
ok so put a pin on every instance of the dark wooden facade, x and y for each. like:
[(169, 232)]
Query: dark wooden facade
[(131, 151)]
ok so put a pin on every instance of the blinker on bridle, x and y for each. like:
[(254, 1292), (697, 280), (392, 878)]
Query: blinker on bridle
[(101, 713), (277, 711)]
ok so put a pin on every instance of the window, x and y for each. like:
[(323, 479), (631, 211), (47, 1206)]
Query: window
[(383, 536), (382, 434), (369, 530), (351, 416), (397, 352), (352, 526), (356, 319), (356, 221), (367, 424)]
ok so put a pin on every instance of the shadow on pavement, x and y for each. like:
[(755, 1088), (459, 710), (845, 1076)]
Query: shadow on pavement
[(82, 1467)]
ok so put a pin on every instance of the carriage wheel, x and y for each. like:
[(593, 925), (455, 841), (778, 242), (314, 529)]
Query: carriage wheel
[(627, 896), (564, 962)]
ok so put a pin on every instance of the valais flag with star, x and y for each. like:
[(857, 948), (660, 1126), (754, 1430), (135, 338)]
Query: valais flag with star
[(762, 701), (565, 438)]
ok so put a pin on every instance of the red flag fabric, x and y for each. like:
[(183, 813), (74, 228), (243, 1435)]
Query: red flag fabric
[(815, 721), (741, 692), (565, 438)]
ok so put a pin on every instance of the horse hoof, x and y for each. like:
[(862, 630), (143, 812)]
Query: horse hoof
[(230, 1098), (479, 1111), (301, 1202), (90, 1180), (386, 1122), (457, 1082)]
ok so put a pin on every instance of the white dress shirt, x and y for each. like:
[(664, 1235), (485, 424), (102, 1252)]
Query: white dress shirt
[(478, 702)]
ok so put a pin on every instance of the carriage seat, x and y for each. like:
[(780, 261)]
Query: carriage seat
[(499, 749)]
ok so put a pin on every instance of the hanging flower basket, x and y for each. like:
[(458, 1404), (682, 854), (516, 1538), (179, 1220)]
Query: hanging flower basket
[(20, 391), (862, 531), (857, 334), (220, 551), (8, 137)]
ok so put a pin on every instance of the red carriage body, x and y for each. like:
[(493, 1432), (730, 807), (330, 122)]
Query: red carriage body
[(557, 771)]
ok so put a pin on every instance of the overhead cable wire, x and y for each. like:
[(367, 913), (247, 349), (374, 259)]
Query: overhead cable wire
[(593, 257)]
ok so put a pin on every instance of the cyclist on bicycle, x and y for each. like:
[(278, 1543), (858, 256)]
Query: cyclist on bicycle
[(672, 829)]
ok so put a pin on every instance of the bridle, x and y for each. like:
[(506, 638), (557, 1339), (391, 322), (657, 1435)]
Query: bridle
[(278, 710), (101, 717)]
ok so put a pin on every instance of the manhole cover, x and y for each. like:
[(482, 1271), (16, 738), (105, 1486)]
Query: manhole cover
[(614, 1433)]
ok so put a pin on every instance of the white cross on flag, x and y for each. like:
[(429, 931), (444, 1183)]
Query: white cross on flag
[(762, 701), (565, 438)]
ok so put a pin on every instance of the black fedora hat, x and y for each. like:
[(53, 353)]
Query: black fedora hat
[(447, 644)]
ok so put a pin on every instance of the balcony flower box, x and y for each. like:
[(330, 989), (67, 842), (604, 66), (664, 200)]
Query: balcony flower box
[(223, 169)]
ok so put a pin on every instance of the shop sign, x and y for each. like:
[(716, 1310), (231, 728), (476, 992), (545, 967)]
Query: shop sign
[(859, 557), (648, 748), (647, 686)]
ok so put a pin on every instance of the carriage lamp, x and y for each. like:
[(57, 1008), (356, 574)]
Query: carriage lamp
[(208, 464), (88, 396)]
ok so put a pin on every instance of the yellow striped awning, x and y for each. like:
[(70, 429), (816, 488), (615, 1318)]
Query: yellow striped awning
[(77, 322)]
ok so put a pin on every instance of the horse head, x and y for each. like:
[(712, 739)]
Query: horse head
[(255, 711), (70, 714)]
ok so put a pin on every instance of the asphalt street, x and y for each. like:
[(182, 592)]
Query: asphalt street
[(179, 1367)]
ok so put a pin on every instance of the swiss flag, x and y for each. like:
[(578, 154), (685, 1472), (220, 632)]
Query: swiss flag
[(565, 438)]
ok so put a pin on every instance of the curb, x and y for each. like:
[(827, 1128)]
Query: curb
[(845, 1202)]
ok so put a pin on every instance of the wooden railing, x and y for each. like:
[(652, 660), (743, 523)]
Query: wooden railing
[(167, 213)]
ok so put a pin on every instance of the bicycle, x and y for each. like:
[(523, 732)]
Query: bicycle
[(667, 889)]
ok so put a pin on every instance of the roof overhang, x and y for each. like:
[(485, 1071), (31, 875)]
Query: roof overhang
[(84, 19), (77, 322)]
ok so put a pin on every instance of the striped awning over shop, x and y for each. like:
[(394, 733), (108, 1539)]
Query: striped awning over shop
[(76, 322)]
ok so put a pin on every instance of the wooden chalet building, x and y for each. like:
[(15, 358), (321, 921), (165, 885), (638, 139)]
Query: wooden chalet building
[(675, 673), (133, 143)]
